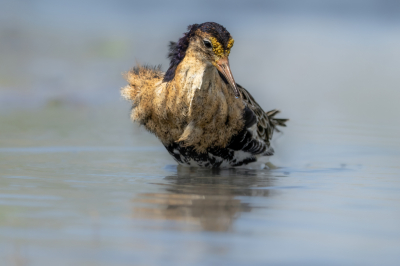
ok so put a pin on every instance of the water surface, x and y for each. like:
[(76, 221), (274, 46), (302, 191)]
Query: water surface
[(86, 192)]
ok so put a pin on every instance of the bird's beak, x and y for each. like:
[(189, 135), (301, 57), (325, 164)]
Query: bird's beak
[(223, 67)]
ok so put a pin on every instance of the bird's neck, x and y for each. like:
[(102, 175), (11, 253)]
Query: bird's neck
[(199, 79), (192, 72), (205, 103)]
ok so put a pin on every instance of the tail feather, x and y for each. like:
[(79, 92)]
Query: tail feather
[(272, 113), (276, 121)]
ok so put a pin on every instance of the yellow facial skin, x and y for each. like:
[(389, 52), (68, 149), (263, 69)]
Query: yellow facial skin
[(218, 49)]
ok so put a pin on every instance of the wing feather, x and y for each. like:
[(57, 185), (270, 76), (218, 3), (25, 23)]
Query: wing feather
[(266, 123)]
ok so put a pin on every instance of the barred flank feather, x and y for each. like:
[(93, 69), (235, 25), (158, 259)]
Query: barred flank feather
[(266, 123)]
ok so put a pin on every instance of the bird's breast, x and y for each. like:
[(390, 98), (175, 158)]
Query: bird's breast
[(196, 109), (213, 114)]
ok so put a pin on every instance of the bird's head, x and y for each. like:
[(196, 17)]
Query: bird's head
[(212, 43)]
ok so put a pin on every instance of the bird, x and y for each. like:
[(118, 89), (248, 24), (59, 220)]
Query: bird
[(196, 109)]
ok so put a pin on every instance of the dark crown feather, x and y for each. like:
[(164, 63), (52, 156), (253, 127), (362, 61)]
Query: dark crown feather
[(177, 52)]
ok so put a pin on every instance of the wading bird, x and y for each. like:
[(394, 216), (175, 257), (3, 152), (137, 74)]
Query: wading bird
[(196, 109)]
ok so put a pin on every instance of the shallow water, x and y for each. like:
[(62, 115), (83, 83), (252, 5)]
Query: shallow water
[(81, 185), (84, 191)]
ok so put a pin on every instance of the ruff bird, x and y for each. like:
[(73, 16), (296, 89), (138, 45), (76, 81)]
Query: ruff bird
[(196, 109)]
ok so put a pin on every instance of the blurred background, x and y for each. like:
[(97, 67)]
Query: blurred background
[(79, 183), (326, 62)]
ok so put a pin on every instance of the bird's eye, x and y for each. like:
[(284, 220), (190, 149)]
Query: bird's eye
[(207, 44)]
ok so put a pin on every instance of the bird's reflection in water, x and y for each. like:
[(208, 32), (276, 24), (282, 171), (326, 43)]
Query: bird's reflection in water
[(205, 199)]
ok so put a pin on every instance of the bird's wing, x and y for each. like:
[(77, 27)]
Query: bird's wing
[(266, 123)]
